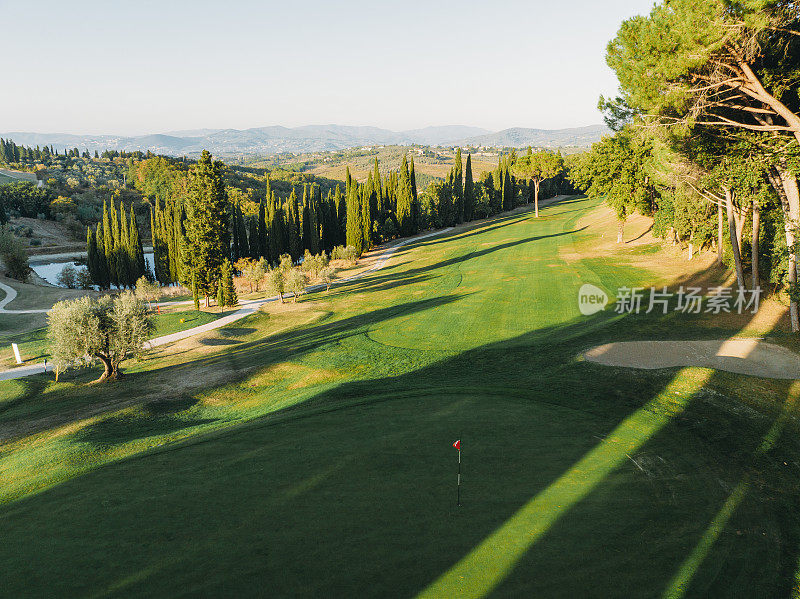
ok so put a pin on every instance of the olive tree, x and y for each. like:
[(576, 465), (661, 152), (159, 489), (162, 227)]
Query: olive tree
[(296, 283), (109, 329)]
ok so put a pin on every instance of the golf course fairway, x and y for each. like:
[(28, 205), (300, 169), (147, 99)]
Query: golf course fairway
[(306, 450)]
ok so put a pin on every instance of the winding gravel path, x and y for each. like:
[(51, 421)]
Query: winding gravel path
[(246, 309)]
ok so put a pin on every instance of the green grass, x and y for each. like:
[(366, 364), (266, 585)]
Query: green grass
[(309, 453)]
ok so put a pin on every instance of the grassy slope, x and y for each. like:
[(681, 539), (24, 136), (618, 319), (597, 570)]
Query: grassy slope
[(633, 481)]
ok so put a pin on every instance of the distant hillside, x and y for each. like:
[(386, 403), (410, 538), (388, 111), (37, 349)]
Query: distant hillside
[(309, 138), (519, 137)]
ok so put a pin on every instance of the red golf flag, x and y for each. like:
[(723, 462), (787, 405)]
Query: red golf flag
[(457, 445)]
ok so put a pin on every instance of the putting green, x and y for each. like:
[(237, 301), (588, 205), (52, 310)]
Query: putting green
[(326, 469)]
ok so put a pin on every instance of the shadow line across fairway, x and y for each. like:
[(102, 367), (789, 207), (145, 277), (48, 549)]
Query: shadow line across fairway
[(484, 570), (576, 477)]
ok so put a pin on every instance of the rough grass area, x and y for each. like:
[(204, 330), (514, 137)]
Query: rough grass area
[(306, 450)]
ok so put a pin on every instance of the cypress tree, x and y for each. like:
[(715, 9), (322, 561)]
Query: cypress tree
[(469, 191), (108, 243), (263, 242), (458, 189), (207, 235), (252, 249), (102, 263), (226, 287), (355, 229), (116, 271), (124, 254), (315, 213), (404, 200), (91, 256), (341, 216), (293, 227), (376, 181), (235, 254), (367, 194), (415, 211), (305, 220), (138, 263)]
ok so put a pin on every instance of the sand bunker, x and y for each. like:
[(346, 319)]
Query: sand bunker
[(742, 356)]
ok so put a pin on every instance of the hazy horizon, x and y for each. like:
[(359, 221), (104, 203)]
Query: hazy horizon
[(91, 68)]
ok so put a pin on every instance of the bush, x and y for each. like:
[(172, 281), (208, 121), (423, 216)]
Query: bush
[(13, 256), (84, 279), (68, 277)]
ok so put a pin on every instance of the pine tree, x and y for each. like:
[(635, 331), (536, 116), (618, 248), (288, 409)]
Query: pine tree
[(469, 191), (208, 238)]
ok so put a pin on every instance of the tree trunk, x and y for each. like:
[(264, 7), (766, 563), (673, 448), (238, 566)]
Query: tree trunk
[(207, 303), (620, 229), (691, 250), (720, 234), (111, 371), (754, 243), (737, 258), (536, 197), (785, 185)]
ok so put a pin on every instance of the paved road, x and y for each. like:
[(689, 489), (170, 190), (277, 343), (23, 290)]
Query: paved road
[(246, 309)]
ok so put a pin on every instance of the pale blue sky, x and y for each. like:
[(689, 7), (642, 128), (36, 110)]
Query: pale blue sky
[(147, 66)]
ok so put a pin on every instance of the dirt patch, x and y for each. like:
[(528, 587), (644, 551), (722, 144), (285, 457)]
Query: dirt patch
[(742, 356)]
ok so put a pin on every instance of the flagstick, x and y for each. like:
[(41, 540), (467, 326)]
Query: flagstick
[(458, 486)]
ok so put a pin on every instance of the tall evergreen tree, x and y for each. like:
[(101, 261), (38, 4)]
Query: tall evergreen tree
[(206, 223), (91, 256), (102, 263), (355, 229), (458, 189), (293, 227), (469, 191), (138, 263), (263, 242), (405, 199)]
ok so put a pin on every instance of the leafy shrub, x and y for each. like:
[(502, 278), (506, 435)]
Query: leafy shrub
[(68, 277), (13, 256)]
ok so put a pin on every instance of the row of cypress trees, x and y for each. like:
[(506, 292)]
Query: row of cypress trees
[(114, 249), (290, 226)]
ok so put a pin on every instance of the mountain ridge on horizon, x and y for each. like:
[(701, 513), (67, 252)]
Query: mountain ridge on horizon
[(274, 139)]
